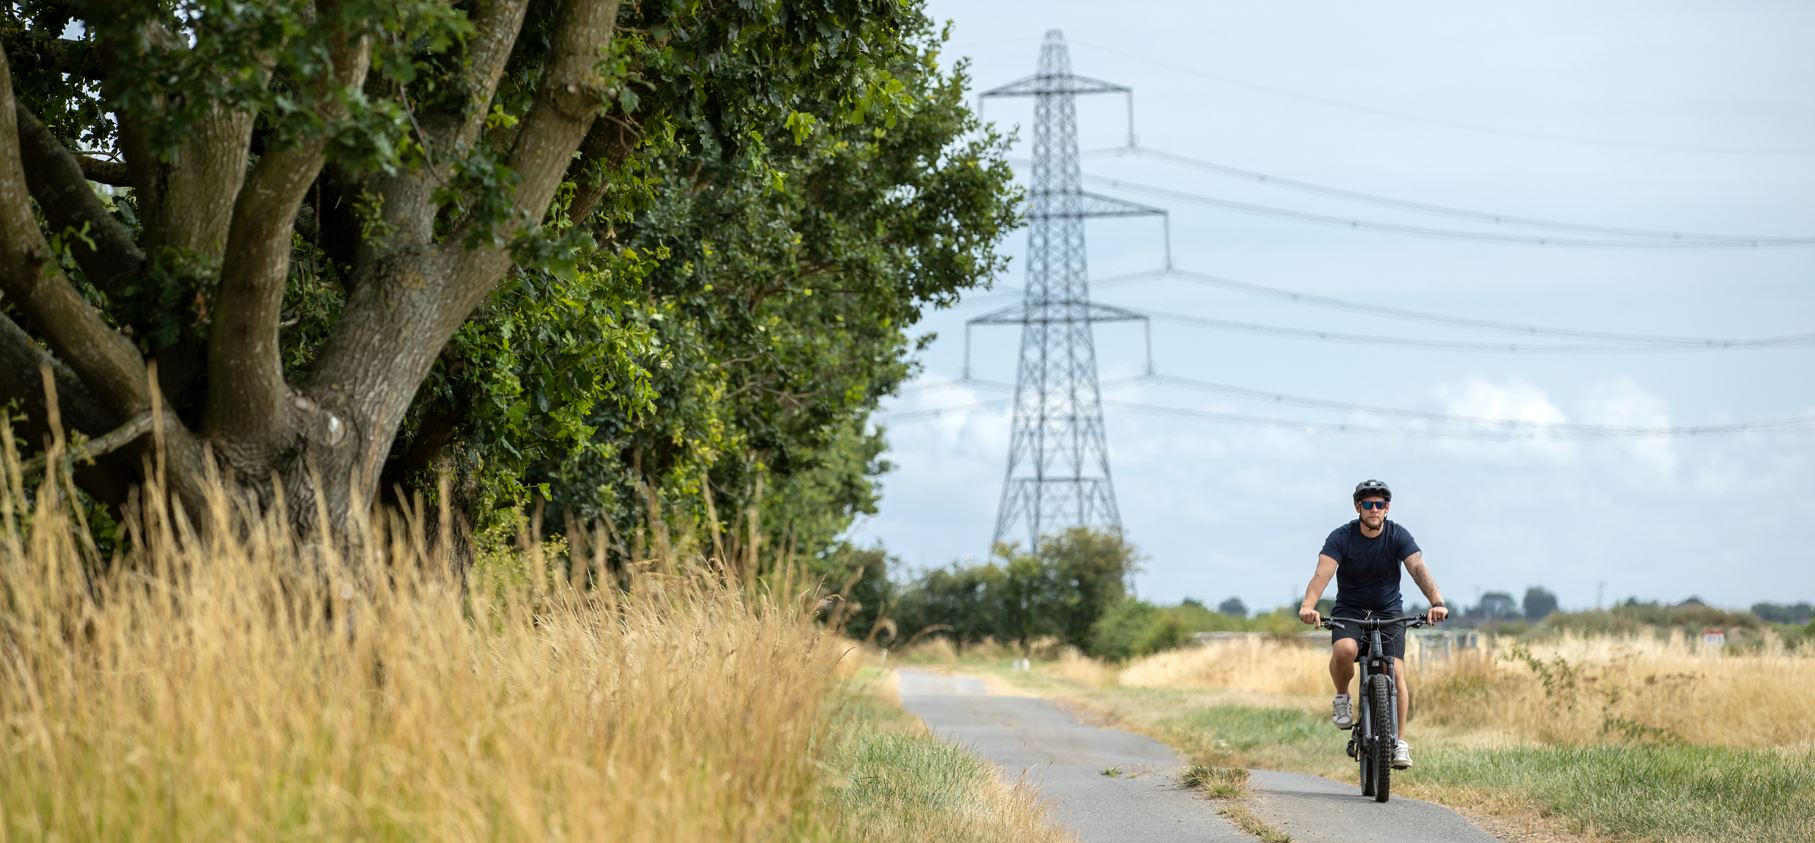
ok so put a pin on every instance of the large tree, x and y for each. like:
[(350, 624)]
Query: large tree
[(303, 202)]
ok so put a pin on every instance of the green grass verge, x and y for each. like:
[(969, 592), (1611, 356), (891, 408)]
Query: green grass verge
[(888, 779), (1636, 792)]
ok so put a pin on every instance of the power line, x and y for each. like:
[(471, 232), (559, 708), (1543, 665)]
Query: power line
[(1427, 231), (1499, 429), (1510, 425), (1806, 424), (920, 388), (1445, 210), (936, 412), (1621, 342), (1438, 121), (977, 383), (1418, 342), (1220, 282)]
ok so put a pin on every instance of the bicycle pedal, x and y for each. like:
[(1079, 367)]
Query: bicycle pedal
[(1351, 749)]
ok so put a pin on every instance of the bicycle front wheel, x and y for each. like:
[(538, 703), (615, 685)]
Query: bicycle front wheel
[(1364, 752), (1380, 693)]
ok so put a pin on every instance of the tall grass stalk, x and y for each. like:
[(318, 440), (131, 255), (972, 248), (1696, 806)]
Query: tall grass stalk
[(222, 680)]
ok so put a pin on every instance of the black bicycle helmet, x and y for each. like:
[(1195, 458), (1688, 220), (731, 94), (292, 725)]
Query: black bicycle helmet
[(1370, 488)]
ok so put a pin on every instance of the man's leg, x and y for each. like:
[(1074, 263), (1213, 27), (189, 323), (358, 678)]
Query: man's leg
[(1342, 668), (1402, 753), (1405, 698), (1342, 663)]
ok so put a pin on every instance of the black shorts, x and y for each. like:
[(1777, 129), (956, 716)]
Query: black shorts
[(1392, 637)]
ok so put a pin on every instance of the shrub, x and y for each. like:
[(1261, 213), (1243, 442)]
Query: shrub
[(1134, 628)]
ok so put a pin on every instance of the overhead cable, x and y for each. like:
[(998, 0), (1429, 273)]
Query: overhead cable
[(1443, 122), (1565, 428), (935, 386), (1420, 342), (1446, 210), (1220, 282), (936, 412), (1806, 425), (1427, 231), (1488, 429)]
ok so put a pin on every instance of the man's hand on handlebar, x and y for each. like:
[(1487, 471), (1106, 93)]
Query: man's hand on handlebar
[(1309, 615), (1436, 614)]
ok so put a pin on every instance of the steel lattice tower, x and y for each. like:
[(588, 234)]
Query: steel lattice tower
[(1058, 460)]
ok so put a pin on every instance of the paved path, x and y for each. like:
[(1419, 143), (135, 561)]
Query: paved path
[(1065, 759)]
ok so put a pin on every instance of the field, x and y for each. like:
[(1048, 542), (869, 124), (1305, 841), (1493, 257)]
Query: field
[(229, 684), (1629, 738)]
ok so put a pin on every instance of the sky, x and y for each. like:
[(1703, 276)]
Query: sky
[(1690, 116)]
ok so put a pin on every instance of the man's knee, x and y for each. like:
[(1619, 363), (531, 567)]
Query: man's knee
[(1345, 649)]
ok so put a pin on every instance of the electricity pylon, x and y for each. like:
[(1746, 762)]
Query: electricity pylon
[(1058, 460)]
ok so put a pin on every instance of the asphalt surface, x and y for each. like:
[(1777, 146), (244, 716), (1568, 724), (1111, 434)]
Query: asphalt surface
[(1033, 739)]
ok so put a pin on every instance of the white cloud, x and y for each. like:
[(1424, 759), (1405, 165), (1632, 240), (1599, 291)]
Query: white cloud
[(1622, 402), (1511, 400)]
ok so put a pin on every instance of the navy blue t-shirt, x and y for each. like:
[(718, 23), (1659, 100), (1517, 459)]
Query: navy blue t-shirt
[(1367, 570)]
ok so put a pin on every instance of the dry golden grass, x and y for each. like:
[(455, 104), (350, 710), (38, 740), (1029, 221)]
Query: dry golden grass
[(1644, 689), (227, 683), (1082, 669), (1571, 690), (1256, 664)]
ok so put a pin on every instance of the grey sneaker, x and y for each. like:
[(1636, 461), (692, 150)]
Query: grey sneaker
[(1341, 712), (1402, 755)]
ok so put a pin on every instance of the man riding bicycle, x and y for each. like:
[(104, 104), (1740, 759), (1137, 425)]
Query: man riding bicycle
[(1364, 555)]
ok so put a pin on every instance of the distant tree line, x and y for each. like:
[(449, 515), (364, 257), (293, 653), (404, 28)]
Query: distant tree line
[(1499, 607), (1791, 613), (1073, 591)]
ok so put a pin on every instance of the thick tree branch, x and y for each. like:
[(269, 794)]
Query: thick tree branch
[(119, 49), (248, 415), (566, 105), (69, 204), (196, 196), (104, 359), (106, 172), (107, 364), (397, 320), (186, 197), (21, 361), (495, 26), (409, 197)]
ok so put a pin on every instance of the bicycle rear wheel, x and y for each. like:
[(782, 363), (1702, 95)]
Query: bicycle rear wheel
[(1380, 694)]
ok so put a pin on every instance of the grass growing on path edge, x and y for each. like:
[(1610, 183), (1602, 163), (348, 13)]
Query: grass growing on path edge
[(891, 780), (1675, 792)]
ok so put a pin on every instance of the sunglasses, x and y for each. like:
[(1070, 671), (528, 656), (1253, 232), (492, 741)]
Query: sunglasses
[(1374, 504)]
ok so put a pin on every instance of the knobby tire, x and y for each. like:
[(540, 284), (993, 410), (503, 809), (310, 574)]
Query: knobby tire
[(1359, 731), (1384, 735)]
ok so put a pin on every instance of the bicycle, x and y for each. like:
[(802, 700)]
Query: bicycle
[(1374, 732)]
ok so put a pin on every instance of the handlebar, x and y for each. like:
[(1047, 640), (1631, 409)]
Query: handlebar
[(1411, 622)]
